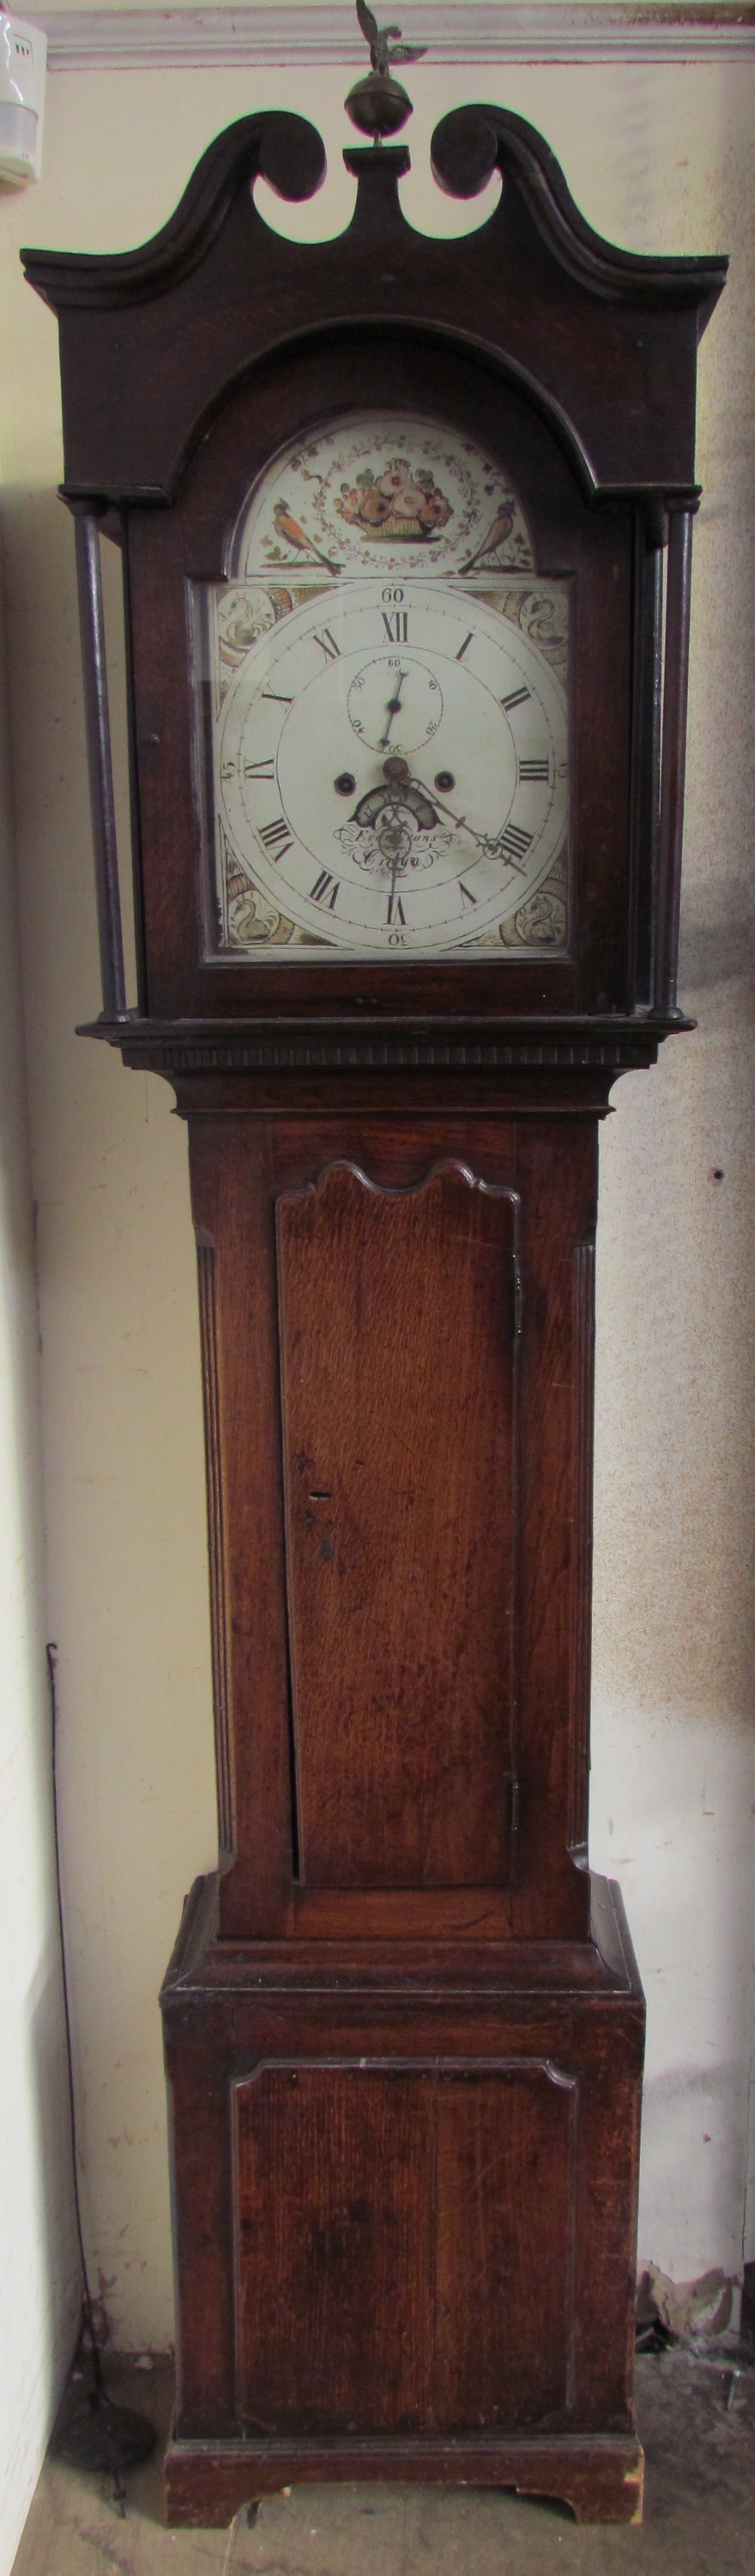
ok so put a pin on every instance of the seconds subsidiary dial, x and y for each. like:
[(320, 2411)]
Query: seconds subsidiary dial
[(391, 770)]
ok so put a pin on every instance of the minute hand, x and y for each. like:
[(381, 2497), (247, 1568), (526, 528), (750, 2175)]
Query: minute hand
[(486, 841)]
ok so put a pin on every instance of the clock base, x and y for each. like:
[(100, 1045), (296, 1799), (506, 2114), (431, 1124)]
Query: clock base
[(404, 2190), (599, 2476)]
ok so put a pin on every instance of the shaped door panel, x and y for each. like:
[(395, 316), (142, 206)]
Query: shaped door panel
[(397, 1339)]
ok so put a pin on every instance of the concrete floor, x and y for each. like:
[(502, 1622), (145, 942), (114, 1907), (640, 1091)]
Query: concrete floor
[(699, 2507)]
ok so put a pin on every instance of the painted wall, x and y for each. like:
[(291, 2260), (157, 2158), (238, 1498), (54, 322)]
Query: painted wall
[(39, 2275), (659, 157)]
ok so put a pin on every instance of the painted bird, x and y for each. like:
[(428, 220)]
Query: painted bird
[(288, 528), (500, 528)]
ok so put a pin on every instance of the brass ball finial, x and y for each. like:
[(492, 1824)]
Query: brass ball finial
[(378, 105)]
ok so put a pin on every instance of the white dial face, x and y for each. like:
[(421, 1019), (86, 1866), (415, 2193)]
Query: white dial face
[(381, 691), (391, 769)]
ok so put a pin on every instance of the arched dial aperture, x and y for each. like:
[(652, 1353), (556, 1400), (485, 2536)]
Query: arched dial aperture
[(453, 728)]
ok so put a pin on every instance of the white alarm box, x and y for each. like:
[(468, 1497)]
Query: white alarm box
[(23, 63)]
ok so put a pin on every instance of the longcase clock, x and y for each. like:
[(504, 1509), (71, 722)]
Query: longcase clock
[(406, 538)]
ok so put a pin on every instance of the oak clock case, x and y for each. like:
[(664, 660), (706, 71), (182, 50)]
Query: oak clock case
[(406, 536)]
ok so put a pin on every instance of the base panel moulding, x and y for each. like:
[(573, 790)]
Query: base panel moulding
[(598, 2477)]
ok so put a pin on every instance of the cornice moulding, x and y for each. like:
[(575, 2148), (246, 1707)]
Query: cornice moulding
[(461, 31)]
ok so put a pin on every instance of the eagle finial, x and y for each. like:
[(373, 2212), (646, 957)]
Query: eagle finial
[(379, 105), (382, 52)]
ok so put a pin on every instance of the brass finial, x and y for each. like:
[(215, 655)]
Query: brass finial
[(379, 105)]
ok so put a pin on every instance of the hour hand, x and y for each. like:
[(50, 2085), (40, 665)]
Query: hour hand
[(416, 788), (486, 842)]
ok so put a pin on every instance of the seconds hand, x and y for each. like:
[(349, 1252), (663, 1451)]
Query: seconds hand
[(393, 708)]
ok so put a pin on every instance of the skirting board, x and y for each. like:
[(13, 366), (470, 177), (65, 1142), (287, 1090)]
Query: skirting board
[(456, 31)]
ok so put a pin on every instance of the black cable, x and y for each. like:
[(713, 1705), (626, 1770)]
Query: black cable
[(52, 1657)]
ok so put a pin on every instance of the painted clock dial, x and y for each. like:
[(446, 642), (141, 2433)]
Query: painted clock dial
[(382, 709)]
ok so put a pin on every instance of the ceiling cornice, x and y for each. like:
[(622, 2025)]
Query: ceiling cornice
[(457, 31)]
